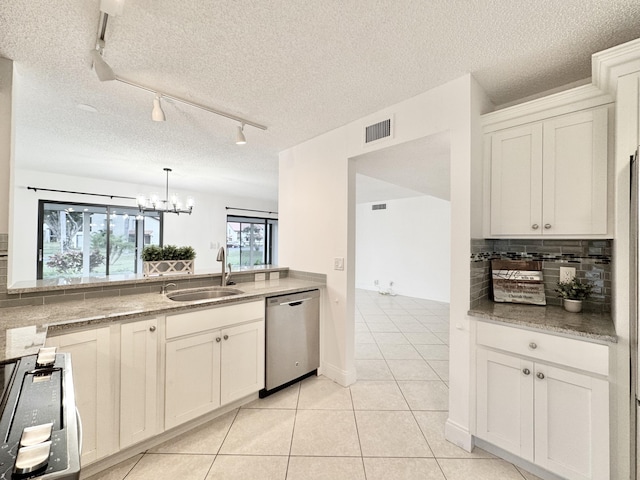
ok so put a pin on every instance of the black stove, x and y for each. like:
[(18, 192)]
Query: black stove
[(39, 427)]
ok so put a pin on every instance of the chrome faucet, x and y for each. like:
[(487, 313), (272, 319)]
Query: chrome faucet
[(228, 280), (221, 258), (163, 288)]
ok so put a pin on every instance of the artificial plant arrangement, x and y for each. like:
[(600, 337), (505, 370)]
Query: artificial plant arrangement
[(573, 293), (168, 259)]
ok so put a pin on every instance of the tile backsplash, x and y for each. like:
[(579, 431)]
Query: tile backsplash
[(590, 258)]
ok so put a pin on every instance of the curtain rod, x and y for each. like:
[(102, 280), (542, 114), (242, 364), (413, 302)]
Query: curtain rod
[(35, 189), (249, 210)]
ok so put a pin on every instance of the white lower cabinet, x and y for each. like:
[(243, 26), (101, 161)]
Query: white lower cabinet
[(213, 357), (94, 388), (550, 415), (138, 381)]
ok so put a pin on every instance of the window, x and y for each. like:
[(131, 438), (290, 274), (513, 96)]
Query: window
[(252, 241), (91, 240)]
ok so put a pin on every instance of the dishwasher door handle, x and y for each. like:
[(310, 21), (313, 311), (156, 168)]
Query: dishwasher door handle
[(294, 303)]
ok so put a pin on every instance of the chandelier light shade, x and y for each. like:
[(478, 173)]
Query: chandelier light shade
[(157, 114), (153, 203)]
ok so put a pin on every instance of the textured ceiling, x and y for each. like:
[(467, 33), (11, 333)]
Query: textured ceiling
[(301, 68)]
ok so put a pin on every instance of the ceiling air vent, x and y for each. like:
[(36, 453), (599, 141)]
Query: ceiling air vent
[(379, 206), (377, 131)]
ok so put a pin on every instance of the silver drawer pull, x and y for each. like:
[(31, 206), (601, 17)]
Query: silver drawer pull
[(533, 346), (152, 328), (540, 375), (226, 337), (535, 226), (218, 339), (547, 226), (526, 371)]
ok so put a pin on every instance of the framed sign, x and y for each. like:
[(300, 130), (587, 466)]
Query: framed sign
[(518, 281)]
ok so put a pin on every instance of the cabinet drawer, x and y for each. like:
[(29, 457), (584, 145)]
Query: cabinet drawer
[(212, 318), (587, 356)]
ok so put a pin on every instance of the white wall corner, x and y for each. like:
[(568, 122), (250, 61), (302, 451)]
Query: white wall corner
[(338, 375), (458, 435)]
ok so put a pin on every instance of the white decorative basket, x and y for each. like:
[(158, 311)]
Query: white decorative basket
[(167, 267)]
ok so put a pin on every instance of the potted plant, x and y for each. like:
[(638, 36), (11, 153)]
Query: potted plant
[(573, 293), (167, 260)]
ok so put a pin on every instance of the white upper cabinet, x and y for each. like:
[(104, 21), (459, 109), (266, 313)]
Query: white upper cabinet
[(550, 177)]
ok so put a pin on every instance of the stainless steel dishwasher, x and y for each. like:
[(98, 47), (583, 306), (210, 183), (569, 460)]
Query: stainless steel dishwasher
[(292, 335)]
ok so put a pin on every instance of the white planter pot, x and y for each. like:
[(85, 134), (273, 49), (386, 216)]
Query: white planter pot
[(573, 306), (167, 267)]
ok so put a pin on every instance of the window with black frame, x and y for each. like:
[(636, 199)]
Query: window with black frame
[(251, 240), (90, 240)]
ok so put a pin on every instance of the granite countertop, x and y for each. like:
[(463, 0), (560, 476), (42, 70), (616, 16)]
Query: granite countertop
[(596, 327), (23, 329)]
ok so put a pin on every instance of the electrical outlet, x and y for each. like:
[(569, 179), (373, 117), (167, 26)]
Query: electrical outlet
[(567, 274), (274, 275), (260, 277)]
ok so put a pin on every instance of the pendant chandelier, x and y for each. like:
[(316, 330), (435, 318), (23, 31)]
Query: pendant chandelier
[(153, 203)]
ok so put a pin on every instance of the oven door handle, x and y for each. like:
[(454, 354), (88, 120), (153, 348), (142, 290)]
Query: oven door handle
[(80, 439)]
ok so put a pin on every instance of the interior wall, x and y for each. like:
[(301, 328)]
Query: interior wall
[(6, 83), (407, 243), (204, 229), (317, 224)]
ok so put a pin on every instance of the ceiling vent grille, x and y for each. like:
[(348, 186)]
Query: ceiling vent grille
[(379, 206), (377, 131)]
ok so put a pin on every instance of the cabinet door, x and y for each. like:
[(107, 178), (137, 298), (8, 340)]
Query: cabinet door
[(242, 361), (516, 181), (571, 423), (138, 381), (505, 402), (575, 174), (192, 386), (92, 381)]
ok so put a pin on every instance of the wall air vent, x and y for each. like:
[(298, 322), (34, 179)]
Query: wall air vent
[(379, 206), (377, 131)]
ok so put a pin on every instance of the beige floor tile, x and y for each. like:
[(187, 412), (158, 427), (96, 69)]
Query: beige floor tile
[(286, 398), (441, 367), (373, 370), (423, 338), (479, 469), (325, 433), (245, 467), (325, 468), (412, 370), (402, 469), (399, 352), (204, 439), (432, 426), (377, 395), (382, 327), (364, 337), (387, 338), (425, 395), (320, 393), (439, 327), (117, 472), (433, 352), (161, 465), (368, 351), (443, 336), (260, 432), (380, 317), (361, 326), (390, 434)]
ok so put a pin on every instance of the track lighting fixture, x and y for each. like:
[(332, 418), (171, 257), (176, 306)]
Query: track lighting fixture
[(157, 114), (240, 139), (102, 68)]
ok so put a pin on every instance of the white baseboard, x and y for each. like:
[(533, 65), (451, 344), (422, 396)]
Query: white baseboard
[(338, 375), (458, 435)]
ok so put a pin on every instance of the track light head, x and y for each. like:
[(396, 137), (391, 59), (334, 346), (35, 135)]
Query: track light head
[(102, 68), (157, 114), (240, 138)]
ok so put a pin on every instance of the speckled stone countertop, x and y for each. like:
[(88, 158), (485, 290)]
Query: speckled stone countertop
[(596, 327), (23, 329)]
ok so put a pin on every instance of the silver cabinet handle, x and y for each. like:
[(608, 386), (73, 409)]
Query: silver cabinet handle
[(218, 339), (152, 328), (226, 337), (533, 346), (547, 226), (526, 371), (540, 375), (535, 226)]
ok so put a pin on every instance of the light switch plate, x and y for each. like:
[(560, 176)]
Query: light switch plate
[(260, 277), (274, 275), (338, 263)]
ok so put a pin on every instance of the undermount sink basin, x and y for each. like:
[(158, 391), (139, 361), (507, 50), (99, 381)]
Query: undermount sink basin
[(209, 293)]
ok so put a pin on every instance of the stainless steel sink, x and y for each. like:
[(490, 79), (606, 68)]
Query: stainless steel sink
[(204, 294)]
